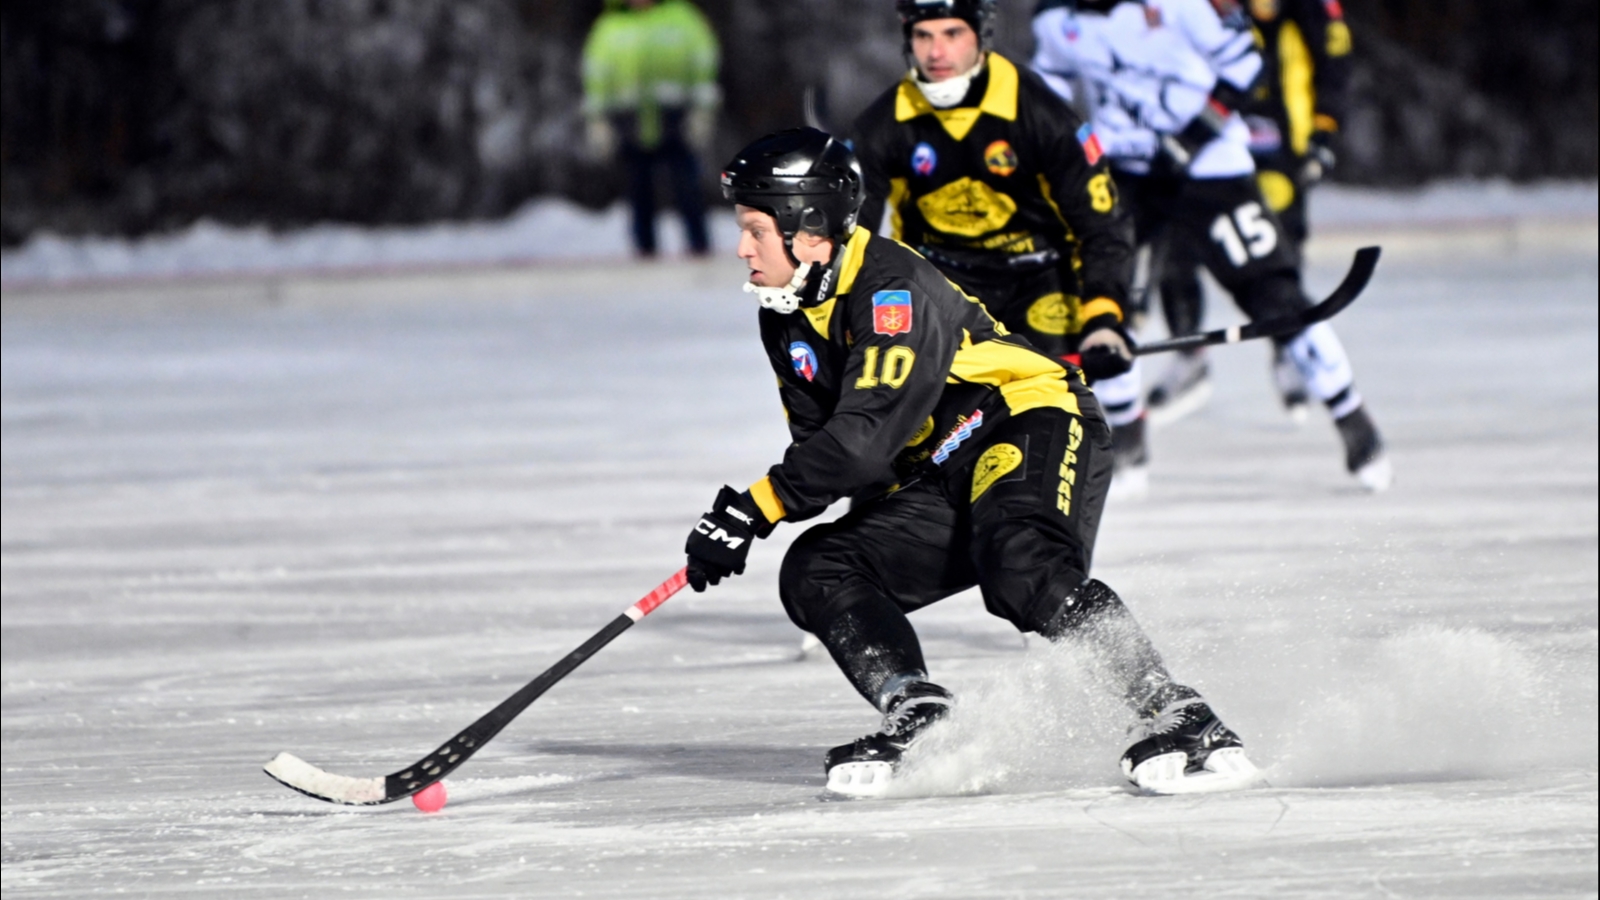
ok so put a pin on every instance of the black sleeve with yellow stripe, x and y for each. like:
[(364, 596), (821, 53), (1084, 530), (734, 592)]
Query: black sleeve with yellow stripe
[(891, 385), (1083, 194)]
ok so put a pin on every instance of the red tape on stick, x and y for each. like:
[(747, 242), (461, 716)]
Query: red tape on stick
[(660, 595)]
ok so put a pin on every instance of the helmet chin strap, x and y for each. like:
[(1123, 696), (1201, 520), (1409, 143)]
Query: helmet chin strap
[(947, 93), (784, 299)]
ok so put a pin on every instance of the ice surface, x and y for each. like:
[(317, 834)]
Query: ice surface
[(346, 522)]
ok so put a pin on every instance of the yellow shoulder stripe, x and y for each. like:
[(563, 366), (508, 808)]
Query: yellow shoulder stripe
[(855, 253)]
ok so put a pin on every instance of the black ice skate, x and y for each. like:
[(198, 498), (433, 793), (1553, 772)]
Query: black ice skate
[(865, 766), (1291, 386), (1364, 456), (1184, 387), (1185, 749)]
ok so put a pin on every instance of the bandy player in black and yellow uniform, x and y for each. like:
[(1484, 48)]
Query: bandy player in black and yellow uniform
[(1000, 456), (989, 175)]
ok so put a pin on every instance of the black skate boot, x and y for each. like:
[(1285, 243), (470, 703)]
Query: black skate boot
[(1291, 386), (865, 766), (1130, 455), (1184, 387), (1185, 749), (1363, 451)]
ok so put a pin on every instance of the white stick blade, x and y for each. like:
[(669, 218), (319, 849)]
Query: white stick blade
[(296, 773)]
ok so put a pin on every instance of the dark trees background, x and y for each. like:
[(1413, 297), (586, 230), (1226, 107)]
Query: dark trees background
[(127, 116)]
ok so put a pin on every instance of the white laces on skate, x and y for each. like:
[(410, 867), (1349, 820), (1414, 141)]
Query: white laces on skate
[(1166, 721)]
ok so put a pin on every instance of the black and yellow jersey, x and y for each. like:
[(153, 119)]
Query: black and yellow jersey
[(892, 373), (1010, 174), (1305, 45)]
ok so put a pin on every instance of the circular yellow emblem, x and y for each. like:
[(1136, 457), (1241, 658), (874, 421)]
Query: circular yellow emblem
[(1000, 158), (996, 462), (923, 432), (1051, 314), (1276, 188)]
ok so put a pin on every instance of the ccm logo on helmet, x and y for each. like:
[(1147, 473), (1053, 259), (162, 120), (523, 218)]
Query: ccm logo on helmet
[(715, 532)]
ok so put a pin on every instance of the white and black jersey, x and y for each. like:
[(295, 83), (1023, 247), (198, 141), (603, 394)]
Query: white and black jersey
[(1148, 69)]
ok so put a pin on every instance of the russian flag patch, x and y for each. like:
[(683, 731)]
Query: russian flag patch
[(1091, 144)]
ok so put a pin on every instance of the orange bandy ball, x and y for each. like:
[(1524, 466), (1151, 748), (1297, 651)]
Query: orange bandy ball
[(431, 798)]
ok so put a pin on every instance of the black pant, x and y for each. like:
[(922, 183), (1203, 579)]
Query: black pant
[(683, 173), (1039, 304), (1225, 225), (1019, 522)]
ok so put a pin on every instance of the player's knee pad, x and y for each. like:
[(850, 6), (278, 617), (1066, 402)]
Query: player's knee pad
[(1084, 605), (1025, 570), (1320, 358), (1121, 397), (815, 581)]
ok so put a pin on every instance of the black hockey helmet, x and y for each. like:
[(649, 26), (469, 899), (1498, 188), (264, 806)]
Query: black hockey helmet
[(977, 13), (804, 178)]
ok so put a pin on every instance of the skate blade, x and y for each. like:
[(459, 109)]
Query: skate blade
[(1185, 404), (1298, 413), (810, 647), (1131, 483), (860, 779), (1227, 769), (1377, 475)]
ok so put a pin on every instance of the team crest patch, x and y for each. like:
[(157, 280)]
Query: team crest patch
[(924, 159), (891, 312), (1091, 143), (804, 359), (963, 430), (996, 463), (1000, 158)]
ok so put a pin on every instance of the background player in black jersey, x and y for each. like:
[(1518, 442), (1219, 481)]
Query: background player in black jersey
[(1000, 456), (1294, 111), (984, 171)]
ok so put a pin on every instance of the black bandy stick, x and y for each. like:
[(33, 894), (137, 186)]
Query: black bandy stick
[(296, 773), (1355, 281)]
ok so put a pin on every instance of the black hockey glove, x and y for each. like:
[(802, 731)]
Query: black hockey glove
[(1179, 150), (721, 540), (1105, 353)]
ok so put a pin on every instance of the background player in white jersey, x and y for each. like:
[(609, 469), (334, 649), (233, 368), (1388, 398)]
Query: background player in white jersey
[(1161, 80)]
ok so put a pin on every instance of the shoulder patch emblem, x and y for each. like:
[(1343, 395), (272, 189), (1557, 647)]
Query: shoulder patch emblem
[(1091, 144), (1000, 158), (924, 159), (804, 359), (891, 312)]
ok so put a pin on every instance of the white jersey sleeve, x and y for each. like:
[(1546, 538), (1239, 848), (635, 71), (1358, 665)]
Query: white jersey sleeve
[(1054, 62), (1144, 78), (1225, 42)]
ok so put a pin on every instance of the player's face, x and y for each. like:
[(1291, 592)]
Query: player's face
[(944, 48), (761, 247)]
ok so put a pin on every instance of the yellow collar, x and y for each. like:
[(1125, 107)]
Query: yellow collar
[(999, 100)]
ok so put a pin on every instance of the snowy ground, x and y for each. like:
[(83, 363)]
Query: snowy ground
[(346, 519), (555, 230)]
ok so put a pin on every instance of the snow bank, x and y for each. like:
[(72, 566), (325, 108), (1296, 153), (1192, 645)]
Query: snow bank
[(555, 230)]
